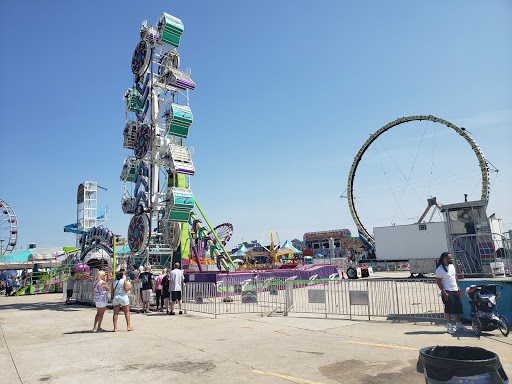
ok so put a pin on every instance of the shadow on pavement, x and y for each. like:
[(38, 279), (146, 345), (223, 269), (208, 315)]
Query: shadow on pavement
[(48, 306), (425, 333)]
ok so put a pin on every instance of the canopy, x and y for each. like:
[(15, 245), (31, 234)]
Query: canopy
[(17, 256), (122, 250), (240, 253), (287, 245), (3, 275)]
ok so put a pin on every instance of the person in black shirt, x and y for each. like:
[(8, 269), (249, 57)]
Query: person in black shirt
[(147, 285), (165, 289)]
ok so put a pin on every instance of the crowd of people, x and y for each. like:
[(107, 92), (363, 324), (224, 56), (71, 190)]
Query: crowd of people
[(167, 288), (12, 283)]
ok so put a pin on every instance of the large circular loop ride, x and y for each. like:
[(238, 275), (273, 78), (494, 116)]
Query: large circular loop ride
[(462, 132), (8, 228)]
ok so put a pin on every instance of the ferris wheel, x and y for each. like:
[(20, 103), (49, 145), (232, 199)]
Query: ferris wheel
[(224, 232), (8, 228), (482, 177)]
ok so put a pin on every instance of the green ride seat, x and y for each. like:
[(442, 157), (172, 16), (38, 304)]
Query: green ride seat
[(182, 203), (178, 120), (129, 168), (130, 97), (170, 29)]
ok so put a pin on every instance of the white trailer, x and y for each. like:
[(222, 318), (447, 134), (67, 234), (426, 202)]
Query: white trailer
[(421, 244)]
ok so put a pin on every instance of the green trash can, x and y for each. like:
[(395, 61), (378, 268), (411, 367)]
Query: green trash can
[(446, 364)]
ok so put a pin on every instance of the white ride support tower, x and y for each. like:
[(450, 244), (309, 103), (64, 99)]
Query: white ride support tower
[(157, 120), (87, 208)]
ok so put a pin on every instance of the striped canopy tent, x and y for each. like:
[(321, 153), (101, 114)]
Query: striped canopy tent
[(30, 255), (240, 253), (288, 246)]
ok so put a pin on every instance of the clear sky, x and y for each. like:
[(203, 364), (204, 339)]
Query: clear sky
[(287, 92)]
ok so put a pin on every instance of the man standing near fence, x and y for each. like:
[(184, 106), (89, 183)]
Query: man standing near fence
[(450, 292), (147, 285), (177, 278)]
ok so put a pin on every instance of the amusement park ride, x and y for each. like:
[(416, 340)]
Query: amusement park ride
[(8, 228), (164, 228), (467, 232)]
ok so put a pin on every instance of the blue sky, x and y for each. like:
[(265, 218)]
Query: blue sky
[(287, 92)]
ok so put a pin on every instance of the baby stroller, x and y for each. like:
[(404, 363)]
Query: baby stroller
[(484, 310)]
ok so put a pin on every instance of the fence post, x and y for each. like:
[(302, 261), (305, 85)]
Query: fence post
[(397, 301), (325, 296), (368, 293)]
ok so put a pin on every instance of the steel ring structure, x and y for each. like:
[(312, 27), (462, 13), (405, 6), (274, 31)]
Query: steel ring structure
[(462, 132)]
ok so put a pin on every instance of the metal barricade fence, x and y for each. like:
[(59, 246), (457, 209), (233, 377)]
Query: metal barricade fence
[(392, 299), (83, 293), (366, 299), (237, 294)]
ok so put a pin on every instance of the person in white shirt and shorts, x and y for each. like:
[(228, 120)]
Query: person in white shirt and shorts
[(450, 293), (176, 279)]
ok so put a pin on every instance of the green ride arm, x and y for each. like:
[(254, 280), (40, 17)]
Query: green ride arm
[(216, 237)]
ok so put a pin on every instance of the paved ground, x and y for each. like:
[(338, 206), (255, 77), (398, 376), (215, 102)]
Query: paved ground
[(43, 340)]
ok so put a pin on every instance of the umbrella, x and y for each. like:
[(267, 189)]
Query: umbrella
[(307, 257), (319, 255), (3, 275), (238, 261)]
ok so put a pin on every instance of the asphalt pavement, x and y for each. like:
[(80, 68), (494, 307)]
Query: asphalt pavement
[(43, 340)]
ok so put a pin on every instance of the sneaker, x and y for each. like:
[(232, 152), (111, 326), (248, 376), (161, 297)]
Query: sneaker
[(461, 328), (172, 313), (450, 329), (180, 312)]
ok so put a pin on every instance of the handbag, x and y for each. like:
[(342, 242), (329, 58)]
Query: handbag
[(113, 289)]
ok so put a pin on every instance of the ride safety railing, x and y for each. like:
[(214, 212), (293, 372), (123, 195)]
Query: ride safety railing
[(482, 255)]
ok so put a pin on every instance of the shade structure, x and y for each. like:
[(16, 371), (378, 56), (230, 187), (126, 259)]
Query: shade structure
[(287, 245), (16, 256), (3, 275), (240, 253)]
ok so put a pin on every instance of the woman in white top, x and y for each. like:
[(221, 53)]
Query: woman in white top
[(100, 290), (120, 299)]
